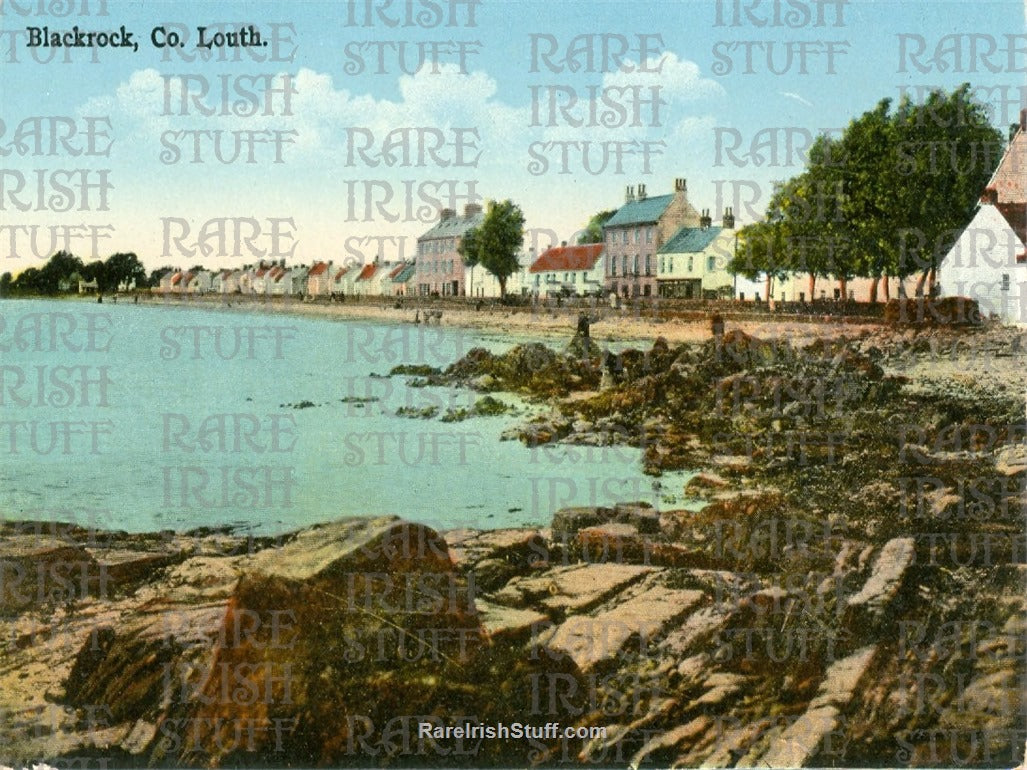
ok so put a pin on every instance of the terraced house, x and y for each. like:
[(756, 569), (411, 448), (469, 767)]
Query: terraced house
[(568, 270), (637, 231), (440, 269), (693, 263)]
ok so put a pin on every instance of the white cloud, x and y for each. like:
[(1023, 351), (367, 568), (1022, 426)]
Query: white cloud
[(796, 97)]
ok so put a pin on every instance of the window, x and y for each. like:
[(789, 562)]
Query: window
[(637, 234), (690, 264), (649, 234), (711, 263), (670, 264), (648, 264), (624, 240), (662, 267), (1005, 281), (624, 265), (584, 276), (635, 265), (645, 290)]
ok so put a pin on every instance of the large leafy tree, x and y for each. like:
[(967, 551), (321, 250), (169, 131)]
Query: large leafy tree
[(47, 279), (123, 268), (950, 150), (886, 198), (593, 232), (499, 239)]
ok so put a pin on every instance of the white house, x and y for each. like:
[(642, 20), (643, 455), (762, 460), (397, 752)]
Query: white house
[(319, 279), (482, 283), (568, 270), (199, 282), (342, 280), (989, 261)]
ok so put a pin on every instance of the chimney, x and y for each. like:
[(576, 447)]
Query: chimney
[(629, 194), (471, 209), (705, 220), (563, 244), (641, 192), (680, 186), (446, 214), (729, 219)]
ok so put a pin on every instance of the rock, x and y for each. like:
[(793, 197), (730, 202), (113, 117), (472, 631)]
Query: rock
[(601, 640), (509, 624), (800, 742), (663, 748), (576, 588), (1011, 460), (643, 517), (567, 521), (37, 571), (492, 574), (733, 463), (704, 481), (885, 581)]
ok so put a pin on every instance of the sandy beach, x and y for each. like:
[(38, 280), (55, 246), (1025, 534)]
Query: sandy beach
[(625, 324)]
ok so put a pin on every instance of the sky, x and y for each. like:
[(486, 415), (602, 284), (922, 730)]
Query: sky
[(558, 106)]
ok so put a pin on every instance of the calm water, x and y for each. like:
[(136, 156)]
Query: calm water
[(142, 418)]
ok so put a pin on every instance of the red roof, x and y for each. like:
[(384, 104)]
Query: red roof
[(367, 272), (1016, 215), (1009, 182), (341, 273), (175, 279), (318, 269), (581, 257)]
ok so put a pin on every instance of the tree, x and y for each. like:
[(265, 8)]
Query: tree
[(28, 282), (593, 232), (5, 284), (58, 269), (499, 239), (886, 198), (123, 268), (950, 151), (96, 271), (468, 250)]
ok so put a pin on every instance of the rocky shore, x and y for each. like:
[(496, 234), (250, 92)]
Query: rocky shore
[(849, 593)]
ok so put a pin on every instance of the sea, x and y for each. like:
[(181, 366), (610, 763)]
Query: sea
[(151, 417)]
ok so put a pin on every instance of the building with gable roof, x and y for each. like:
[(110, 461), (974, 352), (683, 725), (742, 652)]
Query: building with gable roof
[(988, 262), (637, 231), (692, 264), (568, 270), (440, 268), (319, 279)]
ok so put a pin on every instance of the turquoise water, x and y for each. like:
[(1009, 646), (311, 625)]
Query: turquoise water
[(143, 417)]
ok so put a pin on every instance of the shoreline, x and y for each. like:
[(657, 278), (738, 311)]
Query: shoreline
[(547, 323)]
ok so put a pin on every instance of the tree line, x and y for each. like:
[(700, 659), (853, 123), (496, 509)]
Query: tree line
[(887, 198), (64, 270)]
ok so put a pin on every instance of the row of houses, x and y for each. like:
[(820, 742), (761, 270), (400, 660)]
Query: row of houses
[(322, 279), (660, 246)]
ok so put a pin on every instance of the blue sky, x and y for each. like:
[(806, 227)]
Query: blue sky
[(490, 105)]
